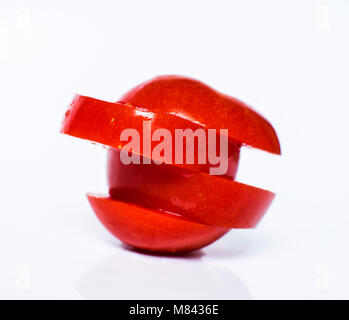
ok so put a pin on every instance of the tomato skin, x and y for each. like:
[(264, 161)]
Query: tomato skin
[(195, 100), (197, 196), (152, 230)]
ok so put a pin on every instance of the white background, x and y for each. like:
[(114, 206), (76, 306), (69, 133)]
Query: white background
[(288, 59)]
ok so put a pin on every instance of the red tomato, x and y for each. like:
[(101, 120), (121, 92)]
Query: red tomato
[(197, 196), (173, 207), (152, 230)]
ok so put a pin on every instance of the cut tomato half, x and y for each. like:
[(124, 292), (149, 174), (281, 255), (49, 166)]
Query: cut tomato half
[(152, 230)]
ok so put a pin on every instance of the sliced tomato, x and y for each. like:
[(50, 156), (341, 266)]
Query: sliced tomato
[(198, 196), (152, 230), (192, 99), (103, 122), (177, 207)]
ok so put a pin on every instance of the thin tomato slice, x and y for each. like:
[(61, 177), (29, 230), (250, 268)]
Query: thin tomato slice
[(152, 230), (195, 195), (103, 122), (192, 99)]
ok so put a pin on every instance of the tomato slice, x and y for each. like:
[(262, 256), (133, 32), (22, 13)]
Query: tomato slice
[(103, 122), (152, 230), (192, 99), (195, 195)]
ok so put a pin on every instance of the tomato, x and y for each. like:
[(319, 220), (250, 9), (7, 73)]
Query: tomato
[(173, 207), (191, 99), (103, 122), (152, 230), (195, 195)]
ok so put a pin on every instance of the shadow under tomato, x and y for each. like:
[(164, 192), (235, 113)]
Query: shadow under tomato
[(129, 276), (180, 255)]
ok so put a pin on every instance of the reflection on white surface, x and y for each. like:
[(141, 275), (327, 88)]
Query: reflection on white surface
[(136, 276)]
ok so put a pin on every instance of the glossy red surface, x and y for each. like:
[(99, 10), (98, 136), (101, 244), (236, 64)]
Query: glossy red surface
[(150, 229), (194, 100), (103, 122), (177, 207), (198, 196)]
